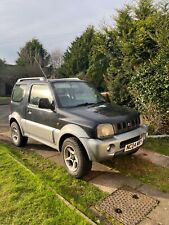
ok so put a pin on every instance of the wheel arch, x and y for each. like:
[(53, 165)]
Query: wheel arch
[(69, 135), (13, 119), (71, 130)]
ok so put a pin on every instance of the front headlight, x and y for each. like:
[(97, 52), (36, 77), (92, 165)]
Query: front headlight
[(104, 130)]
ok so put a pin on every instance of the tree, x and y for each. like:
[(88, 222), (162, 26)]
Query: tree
[(121, 50), (76, 58), (138, 72), (33, 49), (99, 59), (133, 44), (151, 79)]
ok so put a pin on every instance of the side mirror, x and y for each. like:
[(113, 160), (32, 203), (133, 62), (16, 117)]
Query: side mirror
[(44, 103), (106, 96)]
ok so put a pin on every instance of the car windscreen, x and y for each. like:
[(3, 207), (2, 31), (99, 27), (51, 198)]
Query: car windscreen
[(76, 94)]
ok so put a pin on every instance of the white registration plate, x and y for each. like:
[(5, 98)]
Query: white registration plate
[(133, 145)]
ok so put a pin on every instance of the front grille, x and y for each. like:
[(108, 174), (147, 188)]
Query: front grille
[(128, 125), (131, 140)]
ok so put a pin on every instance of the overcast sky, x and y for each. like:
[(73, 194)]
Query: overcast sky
[(54, 22)]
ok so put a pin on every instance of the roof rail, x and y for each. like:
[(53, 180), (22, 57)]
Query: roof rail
[(31, 78), (72, 78), (69, 78)]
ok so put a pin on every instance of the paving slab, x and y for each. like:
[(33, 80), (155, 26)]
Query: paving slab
[(152, 191), (97, 170), (160, 215), (111, 181), (41, 149), (57, 158), (100, 167), (154, 157), (46, 154), (148, 221)]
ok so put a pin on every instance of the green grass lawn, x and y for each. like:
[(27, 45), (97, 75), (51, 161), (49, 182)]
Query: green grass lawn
[(142, 170), (24, 199), (28, 187), (160, 145)]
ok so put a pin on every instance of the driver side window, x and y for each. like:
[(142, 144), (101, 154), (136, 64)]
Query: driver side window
[(39, 91)]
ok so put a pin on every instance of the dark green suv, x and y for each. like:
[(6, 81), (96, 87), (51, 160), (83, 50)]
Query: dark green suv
[(72, 117)]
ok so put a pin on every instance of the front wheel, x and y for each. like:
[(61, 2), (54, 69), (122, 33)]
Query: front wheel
[(17, 138), (75, 158)]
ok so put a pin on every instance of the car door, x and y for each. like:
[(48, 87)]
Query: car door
[(40, 123)]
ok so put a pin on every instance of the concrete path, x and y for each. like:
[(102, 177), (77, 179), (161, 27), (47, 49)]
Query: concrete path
[(109, 180), (156, 158)]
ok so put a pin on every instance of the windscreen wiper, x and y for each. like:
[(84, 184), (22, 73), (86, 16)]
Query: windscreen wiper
[(90, 103), (84, 104)]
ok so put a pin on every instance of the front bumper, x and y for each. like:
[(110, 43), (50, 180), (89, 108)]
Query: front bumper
[(99, 150)]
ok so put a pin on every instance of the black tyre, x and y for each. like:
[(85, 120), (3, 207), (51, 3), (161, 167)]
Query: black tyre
[(75, 158), (17, 138)]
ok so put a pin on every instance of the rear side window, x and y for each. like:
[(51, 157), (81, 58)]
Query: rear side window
[(18, 93), (38, 92)]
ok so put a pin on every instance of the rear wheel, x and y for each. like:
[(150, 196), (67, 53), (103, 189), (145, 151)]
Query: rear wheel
[(75, 158), (17, 138)]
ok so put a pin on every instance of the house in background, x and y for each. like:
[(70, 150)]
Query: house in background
[(8, 76), (10, 73), (5, 88)]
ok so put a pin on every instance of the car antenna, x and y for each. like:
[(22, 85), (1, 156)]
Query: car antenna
[(44, 74)]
